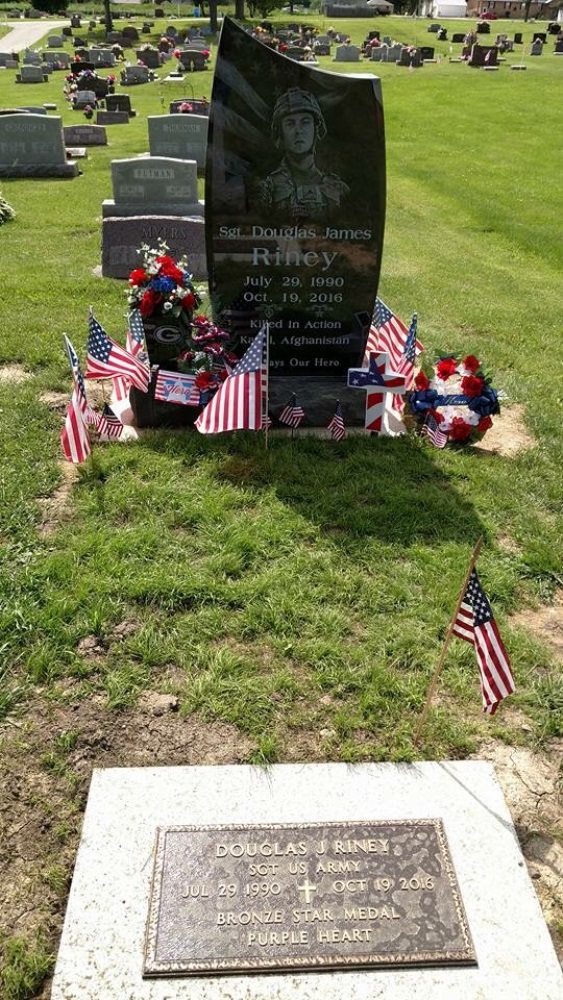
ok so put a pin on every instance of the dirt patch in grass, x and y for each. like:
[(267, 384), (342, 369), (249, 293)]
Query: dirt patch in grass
[(545, 622), (13, 374), (532, 784), (509, 435), (56, 507), (46, 764)]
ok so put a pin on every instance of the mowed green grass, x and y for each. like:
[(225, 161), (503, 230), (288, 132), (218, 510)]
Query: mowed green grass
[(308, 586)]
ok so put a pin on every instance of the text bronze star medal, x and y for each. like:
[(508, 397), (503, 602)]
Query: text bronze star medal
[(232, 899)]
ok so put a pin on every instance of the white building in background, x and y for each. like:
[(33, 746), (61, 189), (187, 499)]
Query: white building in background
[(442, 8)]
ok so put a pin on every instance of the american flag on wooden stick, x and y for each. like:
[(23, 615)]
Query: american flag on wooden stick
[(292, 414), (108, 425), (431, 429), (475, 623), (336, 425), (75, 440), (389, 333), (239, 403)]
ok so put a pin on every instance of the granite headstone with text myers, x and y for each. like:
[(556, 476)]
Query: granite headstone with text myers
[(295, 207)]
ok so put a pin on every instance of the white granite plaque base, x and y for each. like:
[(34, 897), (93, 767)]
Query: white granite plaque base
[(102, 946)]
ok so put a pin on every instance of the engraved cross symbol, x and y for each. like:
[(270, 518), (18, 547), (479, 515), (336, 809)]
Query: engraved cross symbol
[(307, 888)]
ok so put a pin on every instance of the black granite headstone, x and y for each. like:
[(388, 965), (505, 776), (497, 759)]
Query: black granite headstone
[(295, 208)]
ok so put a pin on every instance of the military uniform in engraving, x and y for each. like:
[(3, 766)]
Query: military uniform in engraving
[(298, 190)]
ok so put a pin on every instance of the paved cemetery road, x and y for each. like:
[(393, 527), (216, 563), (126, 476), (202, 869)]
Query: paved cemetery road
[(24, 34)]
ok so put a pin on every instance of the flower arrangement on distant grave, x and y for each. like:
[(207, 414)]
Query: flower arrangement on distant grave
[(87, 79), (459, 396), (164, 291), (6, 211), (88, 111)]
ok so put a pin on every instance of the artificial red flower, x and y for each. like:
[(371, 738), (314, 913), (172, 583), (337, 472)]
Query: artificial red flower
[(169, 269), (188, 302), (459, 430), (445, 368), (472, 385), (205, 380), (438, 417), (149, 302), (484, 425), (471, 364), (421, 381), (201, 320), (138, 276)]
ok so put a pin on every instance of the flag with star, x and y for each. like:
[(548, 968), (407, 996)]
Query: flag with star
[(106, 359), (292, 414), (239, 404), (474, 623), (336, 426)]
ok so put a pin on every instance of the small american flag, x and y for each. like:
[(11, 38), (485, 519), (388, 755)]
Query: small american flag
[(431, 428), (135, 342), (238, 404), (475, 623), (336, 425), (79, 383), (106, 359), (292, 414), (75, 440), (389, 333), (108, 425)]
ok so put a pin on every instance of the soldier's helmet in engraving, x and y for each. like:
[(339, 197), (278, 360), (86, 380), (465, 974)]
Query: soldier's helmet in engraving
[(295, 101)]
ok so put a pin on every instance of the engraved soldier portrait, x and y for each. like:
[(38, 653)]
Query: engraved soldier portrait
[(298, 189)]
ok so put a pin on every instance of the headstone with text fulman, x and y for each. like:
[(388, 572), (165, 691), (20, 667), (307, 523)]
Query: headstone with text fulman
[(295, 209)]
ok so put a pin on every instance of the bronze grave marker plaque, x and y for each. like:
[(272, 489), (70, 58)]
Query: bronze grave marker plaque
[(231, 899)]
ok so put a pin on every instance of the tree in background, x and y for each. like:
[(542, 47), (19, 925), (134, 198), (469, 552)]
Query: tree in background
[(108, 19), (53, 6)]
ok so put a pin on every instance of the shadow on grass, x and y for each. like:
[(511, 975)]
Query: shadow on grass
[(387, 488)]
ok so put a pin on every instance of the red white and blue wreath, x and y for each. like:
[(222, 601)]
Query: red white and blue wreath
[(457, 400)]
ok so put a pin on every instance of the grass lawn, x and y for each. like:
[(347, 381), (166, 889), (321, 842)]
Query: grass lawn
[(288, 604)]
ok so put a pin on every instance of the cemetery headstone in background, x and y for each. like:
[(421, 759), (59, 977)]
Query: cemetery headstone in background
[(31, 74), (133, 75), (33, 146), (149, 57), (112, 118), (198, 106), (302, 253), (85, 135), (183, 136), (120, 102), (122, 237), (153, 185)]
